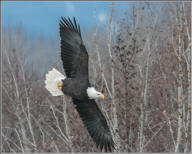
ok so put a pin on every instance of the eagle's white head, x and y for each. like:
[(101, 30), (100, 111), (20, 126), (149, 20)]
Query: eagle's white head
[(93, 94)]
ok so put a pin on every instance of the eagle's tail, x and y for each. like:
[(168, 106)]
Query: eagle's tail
[(53, 82)]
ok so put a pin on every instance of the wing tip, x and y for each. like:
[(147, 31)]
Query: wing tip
[(67, 22), (109, 146), (106, 143), (96, 125)]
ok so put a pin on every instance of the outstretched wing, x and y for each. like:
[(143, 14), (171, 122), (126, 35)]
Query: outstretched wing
[(95, 122), (73, 52)]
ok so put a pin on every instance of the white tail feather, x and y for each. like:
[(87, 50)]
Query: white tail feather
[(51, 81)]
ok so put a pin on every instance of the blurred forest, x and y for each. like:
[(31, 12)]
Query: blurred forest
[(142, 64)]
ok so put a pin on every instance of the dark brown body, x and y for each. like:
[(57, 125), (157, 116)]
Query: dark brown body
[(75, 89)]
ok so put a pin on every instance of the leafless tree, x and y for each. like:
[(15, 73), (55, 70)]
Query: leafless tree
[(142, 64)]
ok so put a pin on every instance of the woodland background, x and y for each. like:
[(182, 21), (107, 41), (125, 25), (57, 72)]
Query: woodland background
[(142, 64)]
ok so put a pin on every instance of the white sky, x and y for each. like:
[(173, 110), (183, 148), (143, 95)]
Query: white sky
[(102, 16), (70, 7)]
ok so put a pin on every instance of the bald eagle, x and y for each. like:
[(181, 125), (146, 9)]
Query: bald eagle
[(76, 83)]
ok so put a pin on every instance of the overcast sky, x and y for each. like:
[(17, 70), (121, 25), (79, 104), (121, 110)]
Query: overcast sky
[(41, 18)]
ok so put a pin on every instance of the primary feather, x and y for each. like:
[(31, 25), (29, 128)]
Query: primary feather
[(95, 122), (73, 52)]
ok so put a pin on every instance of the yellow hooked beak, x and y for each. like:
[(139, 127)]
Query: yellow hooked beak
[(101, 96)]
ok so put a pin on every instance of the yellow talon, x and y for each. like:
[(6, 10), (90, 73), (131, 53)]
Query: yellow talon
[(59, 85), (60, 88)]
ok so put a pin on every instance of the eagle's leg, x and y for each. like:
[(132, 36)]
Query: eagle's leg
[(59, 85)]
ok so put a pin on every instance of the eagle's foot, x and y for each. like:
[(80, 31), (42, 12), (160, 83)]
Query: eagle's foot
[(59, 85)]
